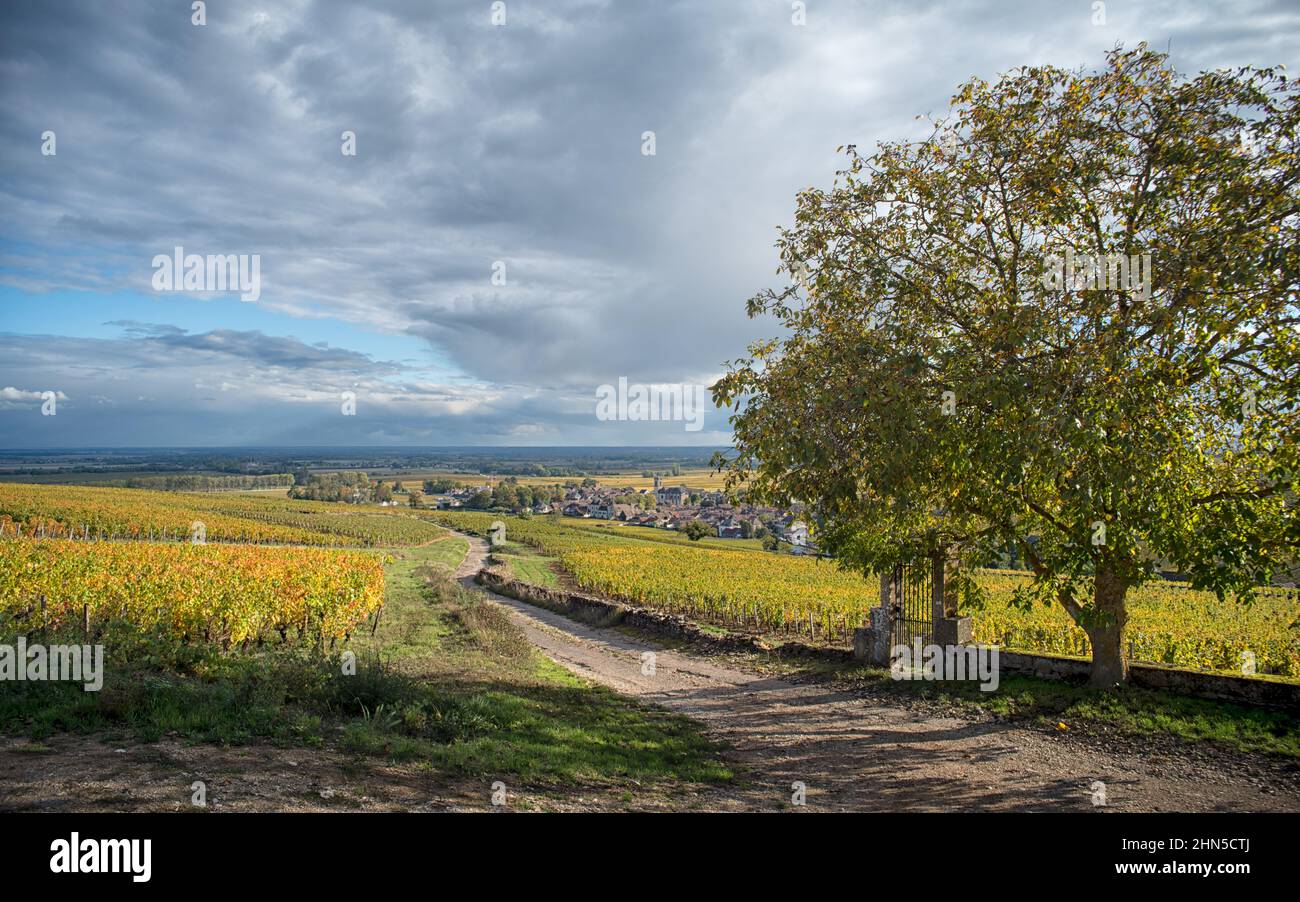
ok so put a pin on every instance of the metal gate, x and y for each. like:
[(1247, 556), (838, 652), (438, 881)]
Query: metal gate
[(912, 596)]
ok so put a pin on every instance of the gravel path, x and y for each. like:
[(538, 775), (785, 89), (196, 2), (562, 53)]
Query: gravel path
[(859, 754)]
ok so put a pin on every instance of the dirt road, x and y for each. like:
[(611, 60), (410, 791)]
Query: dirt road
[(856, 754)]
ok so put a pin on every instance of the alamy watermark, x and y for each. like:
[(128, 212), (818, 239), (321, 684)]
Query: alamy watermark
[(1109, 272), (951, 662), (215, 272), (54, 663), (636, 402), (102, 856)]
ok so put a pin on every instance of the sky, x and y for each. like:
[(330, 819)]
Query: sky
[(501, 244)]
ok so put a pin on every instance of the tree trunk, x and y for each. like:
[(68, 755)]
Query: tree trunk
[(1106, 633)]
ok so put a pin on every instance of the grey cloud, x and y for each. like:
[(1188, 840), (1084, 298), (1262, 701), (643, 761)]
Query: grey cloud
[(478, 144), (158, 340), (158, 385)]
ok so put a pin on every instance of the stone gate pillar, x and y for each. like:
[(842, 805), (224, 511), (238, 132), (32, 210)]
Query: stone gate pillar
[(949, 629), (873, 643)]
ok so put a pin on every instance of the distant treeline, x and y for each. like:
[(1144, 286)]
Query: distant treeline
[(508, 494), (193, 482), (517, 469), (350, 487)]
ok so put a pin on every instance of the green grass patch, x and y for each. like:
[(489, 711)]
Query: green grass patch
[(527, 564)]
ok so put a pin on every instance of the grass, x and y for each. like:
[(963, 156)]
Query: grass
[(446, 682), (447, 553), (527, 564)]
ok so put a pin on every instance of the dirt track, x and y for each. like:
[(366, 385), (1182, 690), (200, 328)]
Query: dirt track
[(855, 754)]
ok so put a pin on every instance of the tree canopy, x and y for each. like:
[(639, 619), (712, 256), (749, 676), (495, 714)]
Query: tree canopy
[(1065, 321)]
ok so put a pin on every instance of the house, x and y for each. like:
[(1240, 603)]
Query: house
[(730, 528), (734, 527), (626, 512), (797, 534), (574, 509), (674, 496), (541, 508)]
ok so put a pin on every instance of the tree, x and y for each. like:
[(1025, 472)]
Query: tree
[(523, 497), (696, 530), (383, 492), (416, 498), (481, 500), (970, 394), (637, 500), (342, 486), (504, 494)]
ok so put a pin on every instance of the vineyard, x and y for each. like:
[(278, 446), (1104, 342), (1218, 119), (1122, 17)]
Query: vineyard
[(223, 594), (80, 512), (1168, 623), (704, 479), (664, 536), (221, 569)]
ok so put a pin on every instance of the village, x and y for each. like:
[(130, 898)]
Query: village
[(660, 507)]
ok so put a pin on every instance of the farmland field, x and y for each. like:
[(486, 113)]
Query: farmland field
[(237, 643), (666, 536), (241, 644), (702, 478), (194, 567), (223, 594), (1168, 623), (112, 513)]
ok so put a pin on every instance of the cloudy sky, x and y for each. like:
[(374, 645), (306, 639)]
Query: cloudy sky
[(514, 149)]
